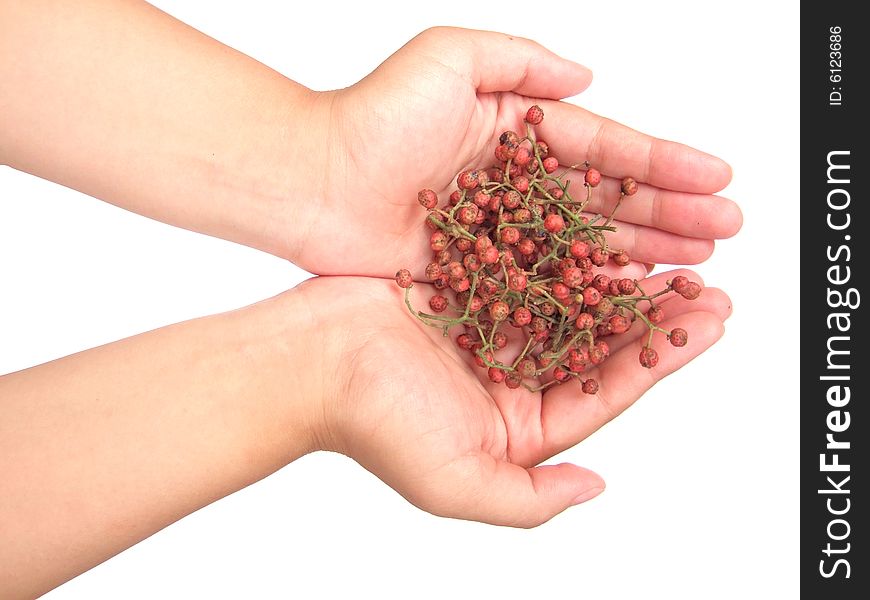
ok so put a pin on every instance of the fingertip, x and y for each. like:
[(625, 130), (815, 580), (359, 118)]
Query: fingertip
[(550, 76), (708, 326), (701, 251), (586, 483), (720, 172), (586, 495), (712, 300), (709, 330), (580, 76), (731, 218)]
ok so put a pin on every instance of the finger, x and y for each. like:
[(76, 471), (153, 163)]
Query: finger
[(496, 62), (633, 270), (498, 492), (648, 244), (576, 135), (659, 281), (717, 303), (692, 215), (568, 416), (712, 300)]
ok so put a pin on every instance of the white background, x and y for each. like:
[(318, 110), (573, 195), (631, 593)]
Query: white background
[(702, 473)]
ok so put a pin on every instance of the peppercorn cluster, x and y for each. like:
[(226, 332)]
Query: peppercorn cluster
[(517, 262)]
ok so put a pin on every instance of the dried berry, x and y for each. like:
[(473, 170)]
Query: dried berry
[(428, 199), (438, 303), (534, 115), (590, 386), (403, 278), (592, 177), (655, 315), (648, 357), (514, 247), (554, 223), (629, 186), (678, 337)]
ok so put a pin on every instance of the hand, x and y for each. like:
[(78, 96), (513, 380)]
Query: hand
[(410, 406), (438, 105)]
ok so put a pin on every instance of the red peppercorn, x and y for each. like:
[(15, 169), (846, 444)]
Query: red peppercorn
[(619, 324), (489, 256), (428, 199), (678, 337), (517, 282), (468, 180), (554, 223), (521, 183), (438, 241), (523, 157), (649, 357), (438, 303), (513, 380), (522, 316), (629, 186), (499, 340), (573, 277), (481, 361), (627, 286), (455, 270), (599, 257), (522, 215), (592, 177), (510, 235), (499, 310), (590, 386), (621, 258), (534, 115), (468, 214), (512, 199), (584, 321), (464, 341), (655, 314), (460, 285), (433, 271), (579, 249), (495, 374), (561, 292), (403, 278), (561, 375), (601, 283), (591, 296), (691, 291)]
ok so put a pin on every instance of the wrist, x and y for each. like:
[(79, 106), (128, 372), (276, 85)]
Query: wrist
[(289, 373), (287, 169)]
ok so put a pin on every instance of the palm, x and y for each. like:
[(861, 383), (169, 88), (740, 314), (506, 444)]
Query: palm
[(434, 109), (426, 420)]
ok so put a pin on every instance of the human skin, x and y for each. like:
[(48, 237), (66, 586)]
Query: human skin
[(121, 101), (103, 448)]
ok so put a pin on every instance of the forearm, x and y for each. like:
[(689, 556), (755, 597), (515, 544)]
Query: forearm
[(123, 102), (101, 449)]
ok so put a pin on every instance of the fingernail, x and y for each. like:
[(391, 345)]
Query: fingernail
[(587, 495)]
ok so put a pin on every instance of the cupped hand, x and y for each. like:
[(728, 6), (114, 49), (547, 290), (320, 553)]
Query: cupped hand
[(411, 407), (438, 105)]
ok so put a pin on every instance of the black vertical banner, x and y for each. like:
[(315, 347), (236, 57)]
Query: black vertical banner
[(835, 362)]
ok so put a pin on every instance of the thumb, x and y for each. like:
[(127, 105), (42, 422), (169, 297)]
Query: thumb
[(501, 493), (497, 62)]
